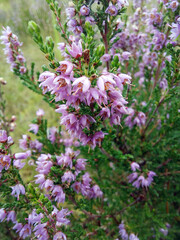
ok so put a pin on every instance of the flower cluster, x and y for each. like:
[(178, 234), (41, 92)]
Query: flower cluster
[(34, 223), (102, 97), (124, 235), (12, 50), (140, 179), (69, 174)]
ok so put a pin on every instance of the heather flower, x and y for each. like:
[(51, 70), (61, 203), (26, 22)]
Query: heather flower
[(112, 10), (34, 128), (18, 164), (106, 57), (51, 134), (75, 50), (24, 155), (72, 23), (41, 231), (17, 190), (11, 216), (124, 78), (132, 236), (122, 231), (122, 3), (126, 55), (175, 31), (18, 226), (70, 12), (59, 236), (36, 145), (68, 177), (132, 177), (97, 139), (105, 82), (25, 231), (40, 113), (91, 20), (5, 162), (174, 5), (2, 214), (40, 179), (43, 167), (81, 84), (46, 78), (65, 67), (76, 187), (48, 185), (22, 70), (20, 58), (143, 181), (163, 84), (23, 142), (80, 164), (58, 194), (60, 216), (84, 10), (97, 191), (34, 217), (3, 136), (135, 166), (104, 113), (164, 231)]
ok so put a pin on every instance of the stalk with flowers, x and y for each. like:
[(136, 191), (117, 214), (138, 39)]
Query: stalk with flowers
[(109, 169)]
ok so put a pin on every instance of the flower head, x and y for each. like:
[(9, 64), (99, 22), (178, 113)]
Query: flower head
[(84, 10), (17, 190), (75, 50)]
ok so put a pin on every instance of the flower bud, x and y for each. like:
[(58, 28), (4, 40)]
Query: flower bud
[(33, 27)]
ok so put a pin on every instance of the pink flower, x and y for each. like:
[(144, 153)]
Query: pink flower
[(175, 31), (112, 10), (48, 185), (18, 164), (59, 236), (23, 142), (52, 134), (70, 12), (65, 67), (75, 50), (5, 162), (2, 214), (46, 78), (40, 179), (173, 5), (81, 84), (24, 155), (17, 190), (11, 216), (106, 57), (34, 128), (106, 82), (40, 113), (3, 136), (135, 166), (97, 191), (68, 177), (84, 10), (124, 78), (25, 231), (58, 194)]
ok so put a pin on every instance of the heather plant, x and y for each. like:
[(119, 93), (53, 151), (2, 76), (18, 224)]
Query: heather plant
[(109, 169)]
